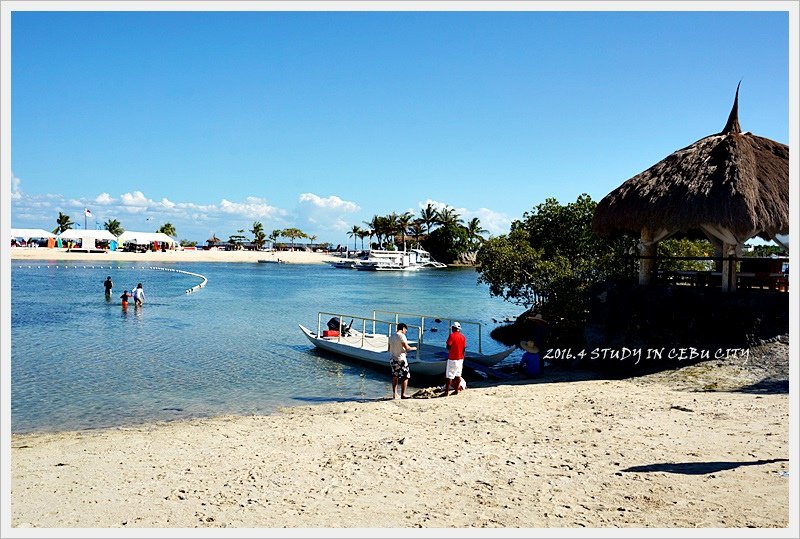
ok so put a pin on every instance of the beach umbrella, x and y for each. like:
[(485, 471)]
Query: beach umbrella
[(731, 186)]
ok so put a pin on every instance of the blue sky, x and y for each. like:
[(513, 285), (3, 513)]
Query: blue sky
[(320, 120)]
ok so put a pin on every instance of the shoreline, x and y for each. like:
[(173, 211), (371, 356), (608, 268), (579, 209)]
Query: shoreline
[(566, 450), (61, 255)]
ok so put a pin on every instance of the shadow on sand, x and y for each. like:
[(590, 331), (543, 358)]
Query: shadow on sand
[(698, 468)]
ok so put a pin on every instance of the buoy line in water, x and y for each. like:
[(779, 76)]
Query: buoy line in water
[(191, 290)]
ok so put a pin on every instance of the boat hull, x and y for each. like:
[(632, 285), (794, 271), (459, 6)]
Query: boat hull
[(424, 366), (431, 360)]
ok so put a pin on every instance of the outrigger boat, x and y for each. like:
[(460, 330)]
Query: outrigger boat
[(367, 339), (344, 264)]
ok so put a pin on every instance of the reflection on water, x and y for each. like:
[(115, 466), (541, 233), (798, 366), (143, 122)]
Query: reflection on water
[(81, 361)]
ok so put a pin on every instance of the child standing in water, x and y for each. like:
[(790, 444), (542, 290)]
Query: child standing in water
[(124, 297)]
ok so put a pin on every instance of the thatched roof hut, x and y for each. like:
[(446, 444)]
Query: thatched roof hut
[(732, 186), (213, 240)]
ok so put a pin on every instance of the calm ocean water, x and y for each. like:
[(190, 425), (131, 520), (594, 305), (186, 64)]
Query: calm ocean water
[(234, 347)]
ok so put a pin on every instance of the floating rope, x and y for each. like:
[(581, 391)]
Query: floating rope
[(191, 290), (188, 291)]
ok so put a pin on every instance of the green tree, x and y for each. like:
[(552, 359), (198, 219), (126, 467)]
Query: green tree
[(259, 237), (361, 235), (293, 234), (668, 249), (474, 231), (355, 233), (403, 223), (113, 226), (311, 240), (448, 216), (550, 259), (428, 217), (765, 250), (236, 240), (391, 227), (415, 229), (168, 229), (275, 235), (64, 223), (376, 227), (187, 243), (447, 243)]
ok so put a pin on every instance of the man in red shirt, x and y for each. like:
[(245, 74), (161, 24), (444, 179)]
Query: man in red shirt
[(456, 345)]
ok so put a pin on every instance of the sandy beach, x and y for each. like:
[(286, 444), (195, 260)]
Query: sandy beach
[(703, 446), (61, 255)]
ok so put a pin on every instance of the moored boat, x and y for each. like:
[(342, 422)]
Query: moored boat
[(410, 260), (344, 264), (367, 339)]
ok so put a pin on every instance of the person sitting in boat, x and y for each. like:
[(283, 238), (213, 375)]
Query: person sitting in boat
[(531, 362)]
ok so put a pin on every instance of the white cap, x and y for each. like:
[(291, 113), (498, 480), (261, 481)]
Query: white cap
[(456, 325)]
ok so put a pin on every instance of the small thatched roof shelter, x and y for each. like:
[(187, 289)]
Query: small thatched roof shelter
[(732, 186), (213, 240)]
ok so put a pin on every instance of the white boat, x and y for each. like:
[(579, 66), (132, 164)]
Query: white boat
[(410, 260), (344, 264), (367, 339)]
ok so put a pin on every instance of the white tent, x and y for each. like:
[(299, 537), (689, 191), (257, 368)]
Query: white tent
[(28, 233), (87, 237), (145, 237)]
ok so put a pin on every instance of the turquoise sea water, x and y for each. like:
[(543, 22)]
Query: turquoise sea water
[(79, 361)]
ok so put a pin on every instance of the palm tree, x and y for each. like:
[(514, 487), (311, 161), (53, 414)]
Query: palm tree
[(275, 235), (428, 216), (311, 240), (113, 226), (64, 223), (293, 234), (363, 234), (448, 216), (259, 237), (375, 225), (416, 230), (474, 231), (403, 222), (392, 226), (168, 229), (354, 233)]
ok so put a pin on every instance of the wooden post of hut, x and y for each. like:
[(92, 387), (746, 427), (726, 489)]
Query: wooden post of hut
[(728, 267), (647, 262)]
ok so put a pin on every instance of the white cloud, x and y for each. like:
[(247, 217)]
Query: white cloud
[(320, 216), (252, 208), (136, 199), (332, 202), (167, 203), (496, 223), (16, 189), (104, 199)]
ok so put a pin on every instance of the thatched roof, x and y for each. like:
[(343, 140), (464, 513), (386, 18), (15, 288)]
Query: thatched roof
[(736, 180), (213, 239)]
